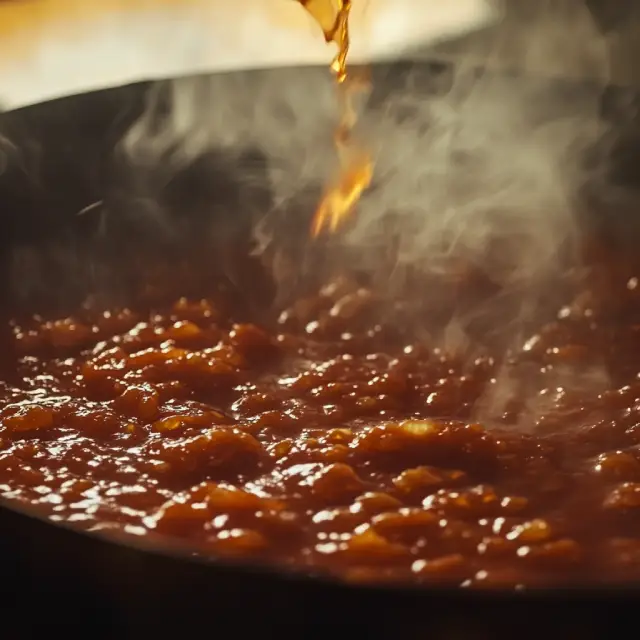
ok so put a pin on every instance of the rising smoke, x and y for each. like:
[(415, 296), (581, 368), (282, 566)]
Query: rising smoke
[(471, 165)]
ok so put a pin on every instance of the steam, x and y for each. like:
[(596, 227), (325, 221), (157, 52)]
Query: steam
[(472, 166), (7, 149)]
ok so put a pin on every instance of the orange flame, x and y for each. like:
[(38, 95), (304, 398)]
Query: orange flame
[(356, 166), (339, 200)]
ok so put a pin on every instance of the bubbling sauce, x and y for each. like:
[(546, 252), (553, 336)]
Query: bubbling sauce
[(335, 443), (356, 164)]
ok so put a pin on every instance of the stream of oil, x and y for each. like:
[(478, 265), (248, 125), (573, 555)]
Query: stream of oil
[(356, 165)]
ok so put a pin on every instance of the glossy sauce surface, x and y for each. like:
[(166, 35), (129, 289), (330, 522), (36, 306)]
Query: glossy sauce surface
[(334, 443)]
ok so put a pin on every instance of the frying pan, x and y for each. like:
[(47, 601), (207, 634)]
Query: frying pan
[(62, 158)]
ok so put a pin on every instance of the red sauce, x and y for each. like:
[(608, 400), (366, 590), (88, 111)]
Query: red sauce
[(334, 444)]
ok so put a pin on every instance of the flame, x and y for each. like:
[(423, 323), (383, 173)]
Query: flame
[(339, 200), (356, 165)]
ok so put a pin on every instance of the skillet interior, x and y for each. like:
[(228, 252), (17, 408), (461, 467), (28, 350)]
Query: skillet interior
[(60, 161)]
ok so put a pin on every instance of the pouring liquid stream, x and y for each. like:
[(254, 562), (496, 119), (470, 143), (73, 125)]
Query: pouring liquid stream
[(356, 165)]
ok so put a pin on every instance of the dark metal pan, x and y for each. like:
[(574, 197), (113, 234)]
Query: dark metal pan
[(61, 159)]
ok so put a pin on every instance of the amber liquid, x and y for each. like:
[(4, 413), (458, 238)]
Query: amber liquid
[(356, 167)]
